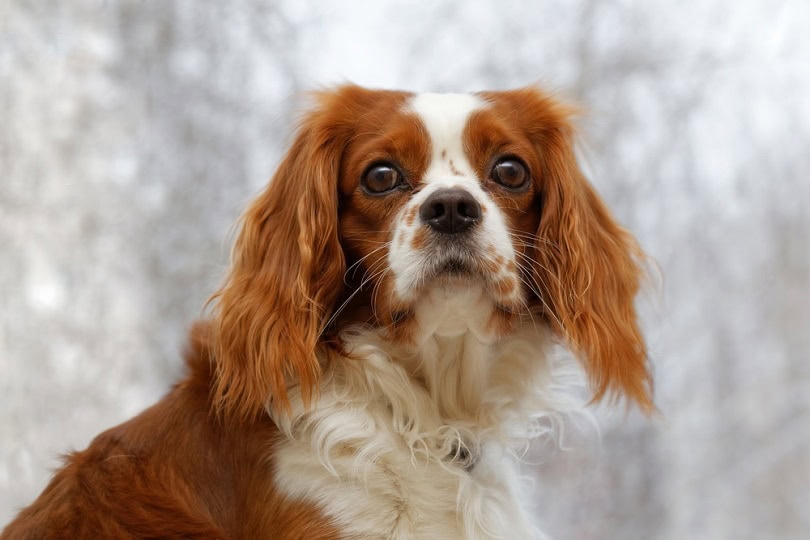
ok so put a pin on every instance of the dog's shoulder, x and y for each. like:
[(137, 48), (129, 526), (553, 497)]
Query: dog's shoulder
[(177, 470), (135, 479)]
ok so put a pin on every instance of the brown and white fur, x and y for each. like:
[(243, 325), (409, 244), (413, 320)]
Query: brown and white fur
[(382, 344)]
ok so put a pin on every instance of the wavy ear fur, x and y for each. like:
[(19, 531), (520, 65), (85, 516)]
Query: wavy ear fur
[(589, 266), (286, 272)]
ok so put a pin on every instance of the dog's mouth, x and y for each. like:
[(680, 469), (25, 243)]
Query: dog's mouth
[(454, 263), (463, 267)]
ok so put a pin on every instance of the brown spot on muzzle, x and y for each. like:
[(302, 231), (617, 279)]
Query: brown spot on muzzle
[(419, 239)]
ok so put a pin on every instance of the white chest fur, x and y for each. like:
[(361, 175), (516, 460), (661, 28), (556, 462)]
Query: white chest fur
[(380, 454)]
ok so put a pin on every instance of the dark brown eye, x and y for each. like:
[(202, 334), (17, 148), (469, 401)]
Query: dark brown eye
[(511, 173), (381, 178)]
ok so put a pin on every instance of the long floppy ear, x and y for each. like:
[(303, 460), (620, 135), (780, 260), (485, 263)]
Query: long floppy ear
[(589, 266), (286, 272)]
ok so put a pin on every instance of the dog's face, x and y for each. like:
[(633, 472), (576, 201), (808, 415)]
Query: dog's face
[(390, 205), (440, 193)]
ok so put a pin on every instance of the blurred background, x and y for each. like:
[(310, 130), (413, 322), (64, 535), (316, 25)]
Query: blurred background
[(133, 133)]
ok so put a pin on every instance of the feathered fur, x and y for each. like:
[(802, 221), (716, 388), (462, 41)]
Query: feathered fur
[(369, 370)]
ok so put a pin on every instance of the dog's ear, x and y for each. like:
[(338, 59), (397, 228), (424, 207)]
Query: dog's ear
[(588, 267), (286, 272)]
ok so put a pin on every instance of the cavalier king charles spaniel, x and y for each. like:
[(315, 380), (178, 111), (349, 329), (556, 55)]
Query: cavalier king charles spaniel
[(382, 343)]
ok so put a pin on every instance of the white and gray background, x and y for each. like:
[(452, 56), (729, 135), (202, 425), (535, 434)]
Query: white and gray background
[(132, 133)]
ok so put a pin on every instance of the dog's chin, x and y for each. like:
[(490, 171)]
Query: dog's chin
[(458, 275), (453, 273)]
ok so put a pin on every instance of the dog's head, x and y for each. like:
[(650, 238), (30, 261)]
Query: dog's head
[(390, 204)]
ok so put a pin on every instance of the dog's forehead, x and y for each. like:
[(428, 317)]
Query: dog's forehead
[(445, 117)]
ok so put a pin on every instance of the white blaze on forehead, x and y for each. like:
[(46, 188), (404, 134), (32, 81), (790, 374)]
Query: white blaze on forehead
[(444, 117)]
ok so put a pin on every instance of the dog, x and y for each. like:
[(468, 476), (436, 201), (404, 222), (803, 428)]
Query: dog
[(382, 341)]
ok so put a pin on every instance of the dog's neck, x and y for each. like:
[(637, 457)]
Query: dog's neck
[(455, 372), (468, 373), (453, 350)]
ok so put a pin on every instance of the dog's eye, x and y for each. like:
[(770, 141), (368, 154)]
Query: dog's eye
[(511, 173), (381, 178)]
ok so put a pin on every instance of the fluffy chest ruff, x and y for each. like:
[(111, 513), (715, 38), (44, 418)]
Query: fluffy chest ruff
[(424, 441)]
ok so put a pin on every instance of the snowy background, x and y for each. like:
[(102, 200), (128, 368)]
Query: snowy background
[(132, 134)]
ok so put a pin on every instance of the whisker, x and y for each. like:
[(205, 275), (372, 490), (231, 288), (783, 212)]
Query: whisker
[(359, 261), (365, 237), (537, 292), (534, 275), (340, 309), (533, 238), (373, 270), (540, 265), (528, 311), (543, 302), (375, 291)]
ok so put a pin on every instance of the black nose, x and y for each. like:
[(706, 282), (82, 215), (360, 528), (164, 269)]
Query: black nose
[(450, 211)]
